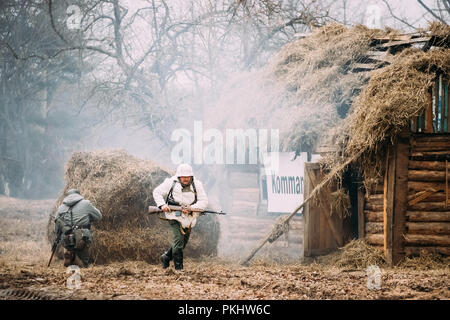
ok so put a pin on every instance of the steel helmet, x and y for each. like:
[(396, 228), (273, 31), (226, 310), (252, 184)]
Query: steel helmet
[(184, 170), (72, 191)]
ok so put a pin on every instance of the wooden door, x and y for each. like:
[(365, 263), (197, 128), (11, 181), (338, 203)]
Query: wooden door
[(323, 232)]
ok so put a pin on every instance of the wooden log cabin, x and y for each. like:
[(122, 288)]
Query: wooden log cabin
[(409, 210)]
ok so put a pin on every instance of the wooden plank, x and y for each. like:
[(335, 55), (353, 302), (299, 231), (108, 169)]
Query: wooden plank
[(415, 251), (417, 144), (375, 239), (374, 227), (427, 165), (447, 106), (446, 183), (400, 196), (428, 216), (431, 138), (420, 196), (435, 197), (436, 228), (435, 154), (404, 42), (426, 175), (373, 207), (429, 114), (415, 186), (374, 197), (435, 104), (365, 66), (389, 191), (306, 214), (441, 103), (373, 216), (428, 206), (431, 147), (427, 240), (361, 220), (395, 37)]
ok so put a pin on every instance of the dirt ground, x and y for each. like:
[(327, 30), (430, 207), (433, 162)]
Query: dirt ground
[(24, 252)]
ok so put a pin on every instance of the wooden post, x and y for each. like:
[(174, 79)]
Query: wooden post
[(400, 197), (306, 219), (429, 113), (396, 198), (361, 218), (446, 183), (388, 201)]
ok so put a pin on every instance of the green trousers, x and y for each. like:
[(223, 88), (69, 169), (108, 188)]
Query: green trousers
[(179, 240)]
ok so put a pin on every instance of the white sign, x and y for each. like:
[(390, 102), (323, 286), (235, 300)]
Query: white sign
[(285, 181)]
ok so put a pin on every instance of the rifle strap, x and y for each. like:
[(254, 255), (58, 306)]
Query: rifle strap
[(71, 217), (170, 193)]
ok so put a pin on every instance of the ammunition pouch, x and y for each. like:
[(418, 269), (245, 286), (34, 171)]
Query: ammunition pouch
[(76, 239)]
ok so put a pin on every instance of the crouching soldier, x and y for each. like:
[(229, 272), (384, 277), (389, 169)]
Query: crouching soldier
[(184, 190), (73, 221)]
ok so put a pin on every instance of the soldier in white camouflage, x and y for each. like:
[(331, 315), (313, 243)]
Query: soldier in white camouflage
[(183, 189)]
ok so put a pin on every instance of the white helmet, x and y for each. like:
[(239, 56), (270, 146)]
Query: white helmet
[(184, 170)]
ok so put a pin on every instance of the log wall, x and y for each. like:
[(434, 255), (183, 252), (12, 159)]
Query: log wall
[(426, 222), (428, 218)]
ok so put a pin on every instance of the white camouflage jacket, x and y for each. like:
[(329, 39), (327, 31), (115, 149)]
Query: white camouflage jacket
[(183, 198)]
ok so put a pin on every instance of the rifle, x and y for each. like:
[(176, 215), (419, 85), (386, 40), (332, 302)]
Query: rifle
[(153, 209), (55, 244)]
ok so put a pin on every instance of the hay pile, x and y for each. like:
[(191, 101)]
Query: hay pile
[(357, 254), (121, 187)]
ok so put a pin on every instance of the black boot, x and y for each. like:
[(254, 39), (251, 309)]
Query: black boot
[(166, 257), (178, 260)]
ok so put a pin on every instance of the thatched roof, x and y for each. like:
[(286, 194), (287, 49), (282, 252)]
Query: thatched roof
[(347, 87)]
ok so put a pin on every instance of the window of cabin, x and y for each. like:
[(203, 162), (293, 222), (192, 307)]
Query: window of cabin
[(435, 118)]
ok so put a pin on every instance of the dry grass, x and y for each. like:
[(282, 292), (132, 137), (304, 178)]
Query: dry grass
[(426, 261), (340, 203), (356, 254)]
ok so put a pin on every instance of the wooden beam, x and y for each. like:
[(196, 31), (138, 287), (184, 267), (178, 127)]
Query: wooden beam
[(428, 206), (400, 196), (365, 66), (403, 42), (389, 190), (426, 175), (415, 251), (373, 216), (436, 228), (428, 216), (427, 165), (427, 240), (374, 228), (306, 218), (361, 220), (421, 196), (375, 239), (446, 183), (429, 113)]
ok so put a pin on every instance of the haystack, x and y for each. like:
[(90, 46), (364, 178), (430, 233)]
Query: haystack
[(121, 187)]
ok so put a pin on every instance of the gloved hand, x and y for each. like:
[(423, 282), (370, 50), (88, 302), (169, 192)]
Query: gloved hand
[(165, 208), (186, 209)]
